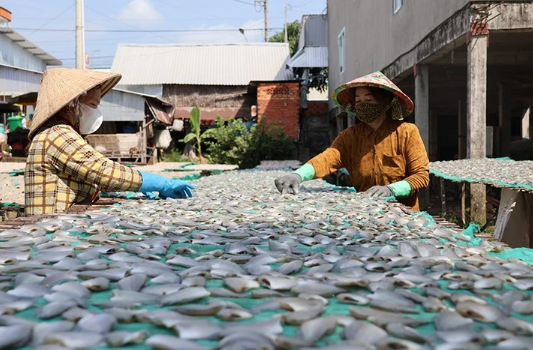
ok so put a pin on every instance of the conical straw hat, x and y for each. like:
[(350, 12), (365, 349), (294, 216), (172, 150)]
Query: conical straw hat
[(344, 95), (62, 85)]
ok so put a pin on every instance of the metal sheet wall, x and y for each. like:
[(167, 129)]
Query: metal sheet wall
[(13, 54), (16, 82), (119, 106)]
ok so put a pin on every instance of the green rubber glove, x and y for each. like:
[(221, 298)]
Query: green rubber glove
[(400, 189), (306, 172)]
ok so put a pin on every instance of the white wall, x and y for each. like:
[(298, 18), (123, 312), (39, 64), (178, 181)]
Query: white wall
[(375, 36), (14, 55)]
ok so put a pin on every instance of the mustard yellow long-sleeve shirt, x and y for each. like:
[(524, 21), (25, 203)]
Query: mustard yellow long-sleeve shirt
[(390, 154)]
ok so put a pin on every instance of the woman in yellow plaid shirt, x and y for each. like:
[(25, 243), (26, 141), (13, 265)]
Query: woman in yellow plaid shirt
[(62, 169)]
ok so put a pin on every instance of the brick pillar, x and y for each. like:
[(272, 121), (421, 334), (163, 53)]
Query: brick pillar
[(279, 103)]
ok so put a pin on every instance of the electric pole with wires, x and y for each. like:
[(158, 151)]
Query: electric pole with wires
[(80, 37), (287, 7), (264, 3)]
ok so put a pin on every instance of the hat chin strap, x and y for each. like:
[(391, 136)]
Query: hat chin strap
[(396, 109), (72, 117)]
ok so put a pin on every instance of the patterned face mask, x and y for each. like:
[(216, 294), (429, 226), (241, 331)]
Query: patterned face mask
[(369, 112)]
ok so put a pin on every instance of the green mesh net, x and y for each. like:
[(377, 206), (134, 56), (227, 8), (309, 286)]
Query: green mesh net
[(333, 307), (489, 181)]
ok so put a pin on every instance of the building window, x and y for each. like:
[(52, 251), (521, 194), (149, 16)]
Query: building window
[(341, 39), (397, 5)]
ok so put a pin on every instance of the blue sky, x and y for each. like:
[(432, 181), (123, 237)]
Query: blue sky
[(202, 22)]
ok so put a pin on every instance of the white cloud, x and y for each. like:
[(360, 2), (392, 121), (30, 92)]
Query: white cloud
[(222, 34), (141, 11)]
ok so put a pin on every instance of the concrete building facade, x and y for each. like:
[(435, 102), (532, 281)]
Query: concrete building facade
[(466, 64)]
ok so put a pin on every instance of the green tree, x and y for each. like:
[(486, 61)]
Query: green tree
[(231, 142), (318, 78), (195, 133), (292, 29)]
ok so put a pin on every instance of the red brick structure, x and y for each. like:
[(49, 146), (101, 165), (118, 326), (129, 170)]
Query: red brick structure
[(279, 102), (316, 109)]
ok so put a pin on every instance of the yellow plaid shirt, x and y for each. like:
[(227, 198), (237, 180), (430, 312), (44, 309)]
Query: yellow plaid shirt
[(62, 169)]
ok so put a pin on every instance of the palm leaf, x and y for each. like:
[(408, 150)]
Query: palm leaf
[(188, 138), (195, 120), (208, 133)]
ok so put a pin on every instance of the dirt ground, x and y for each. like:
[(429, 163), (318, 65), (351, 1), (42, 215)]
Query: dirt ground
[(11, 187)]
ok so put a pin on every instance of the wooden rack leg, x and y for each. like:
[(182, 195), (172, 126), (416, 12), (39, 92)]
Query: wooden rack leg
[(463, 203), (442, 197)]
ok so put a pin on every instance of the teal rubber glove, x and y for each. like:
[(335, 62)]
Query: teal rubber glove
[(150, 195), (401, 189), (165, 186), (306, 172)]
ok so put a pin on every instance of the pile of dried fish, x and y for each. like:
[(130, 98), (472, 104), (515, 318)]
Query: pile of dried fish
[(241, 267), (491, 171)]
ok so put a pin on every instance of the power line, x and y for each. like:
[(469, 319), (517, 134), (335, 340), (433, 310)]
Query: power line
[(303, 4), (50, 21), (188, 10), (68, 59), (189, 19), (244, 2), (147, 30), (126, 24), (46, 30), (68, 40), (63, 37)]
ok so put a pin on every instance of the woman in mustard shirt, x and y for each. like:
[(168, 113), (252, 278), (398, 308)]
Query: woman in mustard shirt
[(383, 155)]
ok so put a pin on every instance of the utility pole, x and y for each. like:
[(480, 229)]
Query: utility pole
[(265, 8), (287, 7), (80, 37)]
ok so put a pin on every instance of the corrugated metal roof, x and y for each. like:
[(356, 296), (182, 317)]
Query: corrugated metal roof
[(159, 110), (310, 57), (143, 95), (31, 47), (233, 64)]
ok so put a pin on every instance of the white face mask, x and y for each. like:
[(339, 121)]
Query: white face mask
[(91, 119)]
